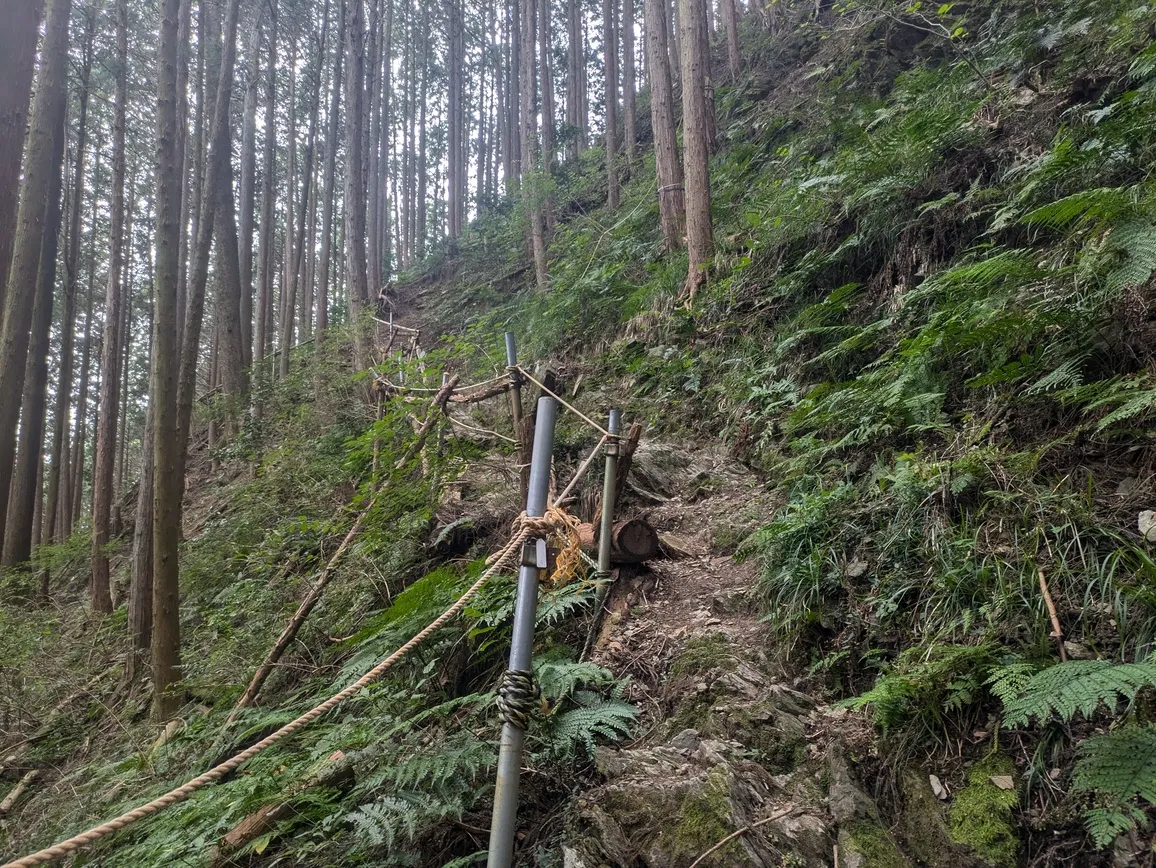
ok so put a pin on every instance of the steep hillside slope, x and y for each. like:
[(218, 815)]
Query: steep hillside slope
[(900, 443)]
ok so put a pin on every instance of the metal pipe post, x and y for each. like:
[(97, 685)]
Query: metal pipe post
[(609, 483), (503, 824), (515, 383), (516, 411)]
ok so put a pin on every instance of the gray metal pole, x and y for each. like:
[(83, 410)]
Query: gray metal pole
[(503, 824), (609, 483), (516, 412)]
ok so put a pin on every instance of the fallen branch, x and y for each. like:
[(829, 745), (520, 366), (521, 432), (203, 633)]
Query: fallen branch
[(776, 816), (336, 771), (293, 627), (17, 791), (1057, 632)]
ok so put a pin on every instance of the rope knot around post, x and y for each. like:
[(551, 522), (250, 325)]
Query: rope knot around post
[(560, 530), (518, 697)]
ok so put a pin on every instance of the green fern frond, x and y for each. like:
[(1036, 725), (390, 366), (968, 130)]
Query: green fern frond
[(1104, 824), (560, 678), (1009, 681), (1117, 767), (1120, 764), (595, 718), (443, 764), (1099, 204), (1067, 375), (1078, 687), (1135, 241)]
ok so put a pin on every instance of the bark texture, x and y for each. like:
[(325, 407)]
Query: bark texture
[(696, 137), (671, 201), (34, 198)]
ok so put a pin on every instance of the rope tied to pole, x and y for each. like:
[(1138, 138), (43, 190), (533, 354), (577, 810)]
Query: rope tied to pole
[(564, 402), (560, 530), (518, 697), (554, 522)]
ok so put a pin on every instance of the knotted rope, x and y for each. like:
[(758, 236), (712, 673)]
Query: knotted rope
[(555, 522), (518, 696)]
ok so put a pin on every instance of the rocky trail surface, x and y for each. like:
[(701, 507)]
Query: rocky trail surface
[(730, 749)]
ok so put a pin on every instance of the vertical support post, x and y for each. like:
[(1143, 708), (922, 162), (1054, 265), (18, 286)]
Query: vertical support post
[(516, 412), (605, 528), (609, 483), (503, 824)]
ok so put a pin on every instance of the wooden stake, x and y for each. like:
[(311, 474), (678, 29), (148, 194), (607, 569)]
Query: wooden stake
[(1056, 630)]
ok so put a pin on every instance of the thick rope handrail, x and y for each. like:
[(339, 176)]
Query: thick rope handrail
[(564, 402), (525, 528)]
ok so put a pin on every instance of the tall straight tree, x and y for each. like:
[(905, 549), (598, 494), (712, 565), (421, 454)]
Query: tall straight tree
[(530, 180), (455, 182), (22, 510), (382, 268), (327, 194), (57, 468), (111, 346), (168, 485), (80, 436), (18, 49), (575, 78), (355, 204), (629, 102), (545, 56), (34, 197), (671, 203), (265, 251), (696, 138), (610, 66), (373, 156), (249, 187), (421, 202), (730, 16), (218, 169)]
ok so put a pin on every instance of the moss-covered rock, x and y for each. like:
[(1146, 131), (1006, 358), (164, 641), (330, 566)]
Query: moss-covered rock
[(981, 816), (666, 806), (923, 825), (719, 693), (868, 845), (702, 820)]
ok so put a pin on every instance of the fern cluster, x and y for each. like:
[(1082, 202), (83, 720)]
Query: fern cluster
[(1078, 687), (1117, 769)]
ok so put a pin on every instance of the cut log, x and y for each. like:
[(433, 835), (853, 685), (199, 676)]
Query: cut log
[(631, 542), (336, 771), (13, 797)]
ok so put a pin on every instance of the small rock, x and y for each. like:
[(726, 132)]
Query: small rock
[(937, 787), (687, 740), (1004, 782), (1078, 652), (1146, 522)]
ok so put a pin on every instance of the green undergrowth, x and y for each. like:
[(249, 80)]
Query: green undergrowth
[(929, 323), (420, 745)]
